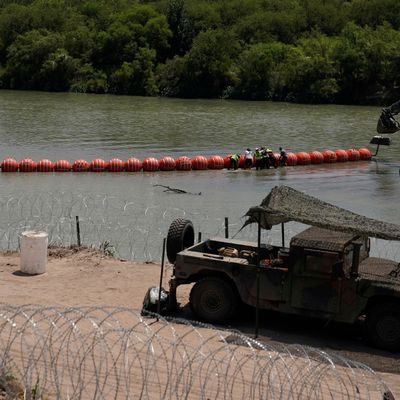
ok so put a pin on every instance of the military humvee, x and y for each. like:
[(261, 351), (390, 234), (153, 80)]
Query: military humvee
[(324, 273)]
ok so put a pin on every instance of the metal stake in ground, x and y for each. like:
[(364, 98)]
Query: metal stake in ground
[(78, 231), (161, 277), (258, 275), (226, 228)]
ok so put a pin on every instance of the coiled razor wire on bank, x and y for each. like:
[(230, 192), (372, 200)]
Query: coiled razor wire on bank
[(131, 229), (115, 353)]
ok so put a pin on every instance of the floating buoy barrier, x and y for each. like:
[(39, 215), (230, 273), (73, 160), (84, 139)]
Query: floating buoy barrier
[(167, 164), (62, 166), (353, 155), (303, 158), (26, 165), (116, 165), (9, 165), (329, 156), (98, 165), (341, 156), (45, 166), (215, 162), (291, 159), (150, 164), (199, 163), (227, 162), (365, 154), (182, 163), (316, 157), (80, 166), (133, 165)]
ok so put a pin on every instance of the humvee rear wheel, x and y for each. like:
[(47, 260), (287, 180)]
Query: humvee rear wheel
[(383, 326), (213, 299), (180, 236)]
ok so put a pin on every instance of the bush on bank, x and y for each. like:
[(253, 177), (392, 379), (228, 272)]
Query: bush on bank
[(292, 50)]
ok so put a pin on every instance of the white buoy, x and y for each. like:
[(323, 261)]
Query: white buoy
[(33, 258)]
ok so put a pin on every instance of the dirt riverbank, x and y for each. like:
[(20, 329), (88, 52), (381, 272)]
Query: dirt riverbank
[(85, 277)]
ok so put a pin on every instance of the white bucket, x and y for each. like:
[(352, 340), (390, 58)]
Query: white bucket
[(33, 252)]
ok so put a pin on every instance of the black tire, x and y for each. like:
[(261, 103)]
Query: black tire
[(213, 300), (383, 326), (180, 236)]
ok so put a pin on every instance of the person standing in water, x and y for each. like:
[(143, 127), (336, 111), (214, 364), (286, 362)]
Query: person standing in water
[(248, 158)]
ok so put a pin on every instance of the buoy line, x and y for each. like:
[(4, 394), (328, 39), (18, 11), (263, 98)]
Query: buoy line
[(181, 163)]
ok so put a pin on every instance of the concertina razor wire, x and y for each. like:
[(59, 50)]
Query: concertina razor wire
[(132, 230), (116, 353)]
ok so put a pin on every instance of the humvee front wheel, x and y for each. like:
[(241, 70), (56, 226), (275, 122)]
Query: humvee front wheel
[(383, 326), (213, 299)]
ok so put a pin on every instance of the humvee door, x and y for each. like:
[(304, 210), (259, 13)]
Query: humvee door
[(316, 281)]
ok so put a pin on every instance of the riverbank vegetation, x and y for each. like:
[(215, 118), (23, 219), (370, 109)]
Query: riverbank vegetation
[(335, 51)]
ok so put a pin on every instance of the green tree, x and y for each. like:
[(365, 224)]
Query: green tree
[(27, 55), (89, 80), (209, 63), (171, 77), (326, 16), (58, 71), (368, 59), (136, 77), (260, 71), (15, 19), (181, 27), (375, 12), (203, 16), (313, 73)]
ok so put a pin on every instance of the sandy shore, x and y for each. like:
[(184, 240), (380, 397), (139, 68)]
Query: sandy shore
[(86, 277)]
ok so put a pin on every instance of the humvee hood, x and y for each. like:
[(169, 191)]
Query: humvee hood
[(377, 268), (284, 204)]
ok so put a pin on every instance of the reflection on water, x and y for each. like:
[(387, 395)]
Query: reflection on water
[(71, 126)]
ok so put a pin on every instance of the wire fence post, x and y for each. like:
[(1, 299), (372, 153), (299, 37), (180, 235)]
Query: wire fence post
[(226, 228), (161, 278), (258, 276), (78, 231)]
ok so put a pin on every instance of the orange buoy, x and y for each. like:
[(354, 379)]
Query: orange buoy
[(291, 159), (116, 165), (365, 154), (199, 162), (341, 155), (80, 166), (215, 162), (45, 165), (98, 165), (183, 163), (329, 156), (227, 162), (242, 161), (27, 165), (9, 165), (277, 157), (150, 164), (316, 157), (167, 164), (62, 166), (353, 154), (133, 165), (303, 158)]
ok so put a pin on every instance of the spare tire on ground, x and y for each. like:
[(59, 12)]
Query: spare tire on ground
[(180, 236)]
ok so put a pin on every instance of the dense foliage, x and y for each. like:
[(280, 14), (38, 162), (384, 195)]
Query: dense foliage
[(345, 51)]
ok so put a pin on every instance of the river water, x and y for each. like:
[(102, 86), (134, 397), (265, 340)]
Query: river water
[(132, 214)]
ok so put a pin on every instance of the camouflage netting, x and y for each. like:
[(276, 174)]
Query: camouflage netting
[(285, 204)]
